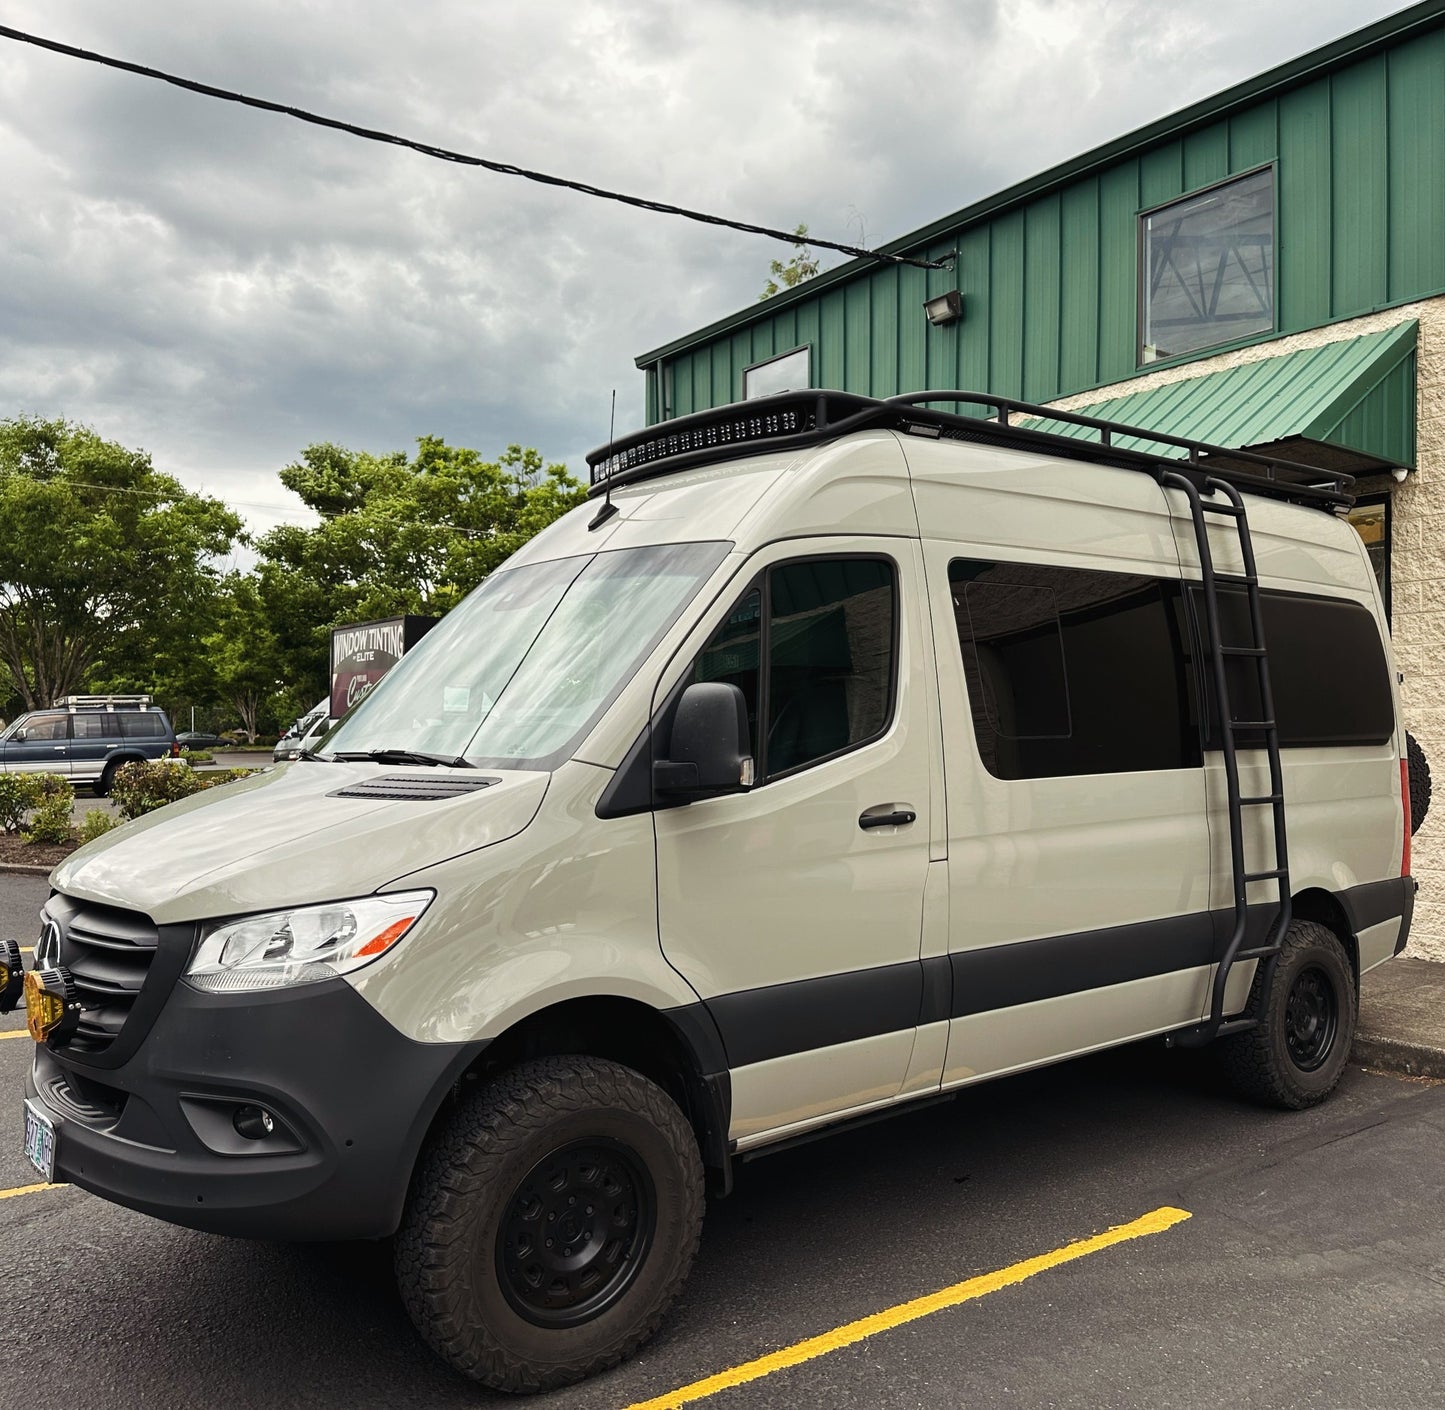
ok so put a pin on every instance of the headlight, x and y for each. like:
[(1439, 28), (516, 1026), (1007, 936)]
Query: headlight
[(304, 945)]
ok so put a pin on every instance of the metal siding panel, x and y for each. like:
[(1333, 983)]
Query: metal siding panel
[(682, 403), (1161, 174), (883, 374), (807, 330), (1417, 167), (1079, 286), (1302, 259), (763, 340), (1253, 137), (1118, 271), (1041, 299), (1358, 189), (832, 361), (941, 344), (742, 357), (973, 338), (858, 331), (1206, 156), (722, 374), (649, 400), (913, 328), (1006, 306)]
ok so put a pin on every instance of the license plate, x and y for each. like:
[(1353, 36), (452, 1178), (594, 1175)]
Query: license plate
[(40, 1140)]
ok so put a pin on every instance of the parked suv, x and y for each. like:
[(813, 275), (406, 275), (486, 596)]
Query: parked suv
[(86, 738), (840, 754)]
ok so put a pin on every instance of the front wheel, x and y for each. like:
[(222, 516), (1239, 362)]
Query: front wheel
[(551, 1223), (1297, 1052)]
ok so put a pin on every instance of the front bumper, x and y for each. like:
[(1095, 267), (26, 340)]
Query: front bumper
[(350, 1096)]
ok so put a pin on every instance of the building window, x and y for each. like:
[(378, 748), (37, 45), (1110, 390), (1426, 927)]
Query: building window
[(1207, 268), (788, 372), (1371, 520)]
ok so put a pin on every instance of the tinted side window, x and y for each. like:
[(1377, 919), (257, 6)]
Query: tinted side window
[(50, 727), (1327, 670), (811, 647), (141, 725), (1071, 671), (89, 726)]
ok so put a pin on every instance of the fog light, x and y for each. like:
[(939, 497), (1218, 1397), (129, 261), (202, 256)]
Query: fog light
[(12, 975), (255, 1123), (52, 1010)]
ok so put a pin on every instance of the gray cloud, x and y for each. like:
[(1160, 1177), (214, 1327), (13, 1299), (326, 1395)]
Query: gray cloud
[(224, 286)]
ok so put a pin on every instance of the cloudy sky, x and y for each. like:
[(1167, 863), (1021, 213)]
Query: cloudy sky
[(223, 286)]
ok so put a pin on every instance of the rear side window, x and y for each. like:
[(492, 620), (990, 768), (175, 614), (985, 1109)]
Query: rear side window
[(1071, 671), (1327, 670), (142, 724), (89, 726), (811, 645)]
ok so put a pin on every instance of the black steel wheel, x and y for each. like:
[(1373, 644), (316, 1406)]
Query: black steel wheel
[(1297, 1051), (551, 1223)]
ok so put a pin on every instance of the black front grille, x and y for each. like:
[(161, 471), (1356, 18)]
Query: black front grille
[(108, 953)]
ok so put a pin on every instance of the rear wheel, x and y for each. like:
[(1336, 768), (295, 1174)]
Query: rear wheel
[(104, 782), (551, 1224), (1297, 1052)]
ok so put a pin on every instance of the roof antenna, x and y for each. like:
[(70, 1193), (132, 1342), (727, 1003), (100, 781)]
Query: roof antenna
[(608, 508)]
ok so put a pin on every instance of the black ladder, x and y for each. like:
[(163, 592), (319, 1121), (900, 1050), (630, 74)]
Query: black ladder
[(1236, 951)]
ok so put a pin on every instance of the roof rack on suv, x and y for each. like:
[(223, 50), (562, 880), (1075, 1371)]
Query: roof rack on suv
[(104, 702), (794, 420)]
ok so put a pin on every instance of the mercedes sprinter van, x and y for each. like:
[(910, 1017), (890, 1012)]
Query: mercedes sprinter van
[(838, 754)]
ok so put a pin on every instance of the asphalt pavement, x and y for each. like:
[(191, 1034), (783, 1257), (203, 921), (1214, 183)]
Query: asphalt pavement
[(1310, 1271)]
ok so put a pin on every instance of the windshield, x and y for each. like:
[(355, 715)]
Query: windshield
[(515, 675)]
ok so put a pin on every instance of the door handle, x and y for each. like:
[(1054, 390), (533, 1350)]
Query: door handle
[(887, 815)]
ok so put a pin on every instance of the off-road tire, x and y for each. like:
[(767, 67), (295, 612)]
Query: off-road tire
[(106, 781), (448, 1252), (1259, 1061), (1419, 772)]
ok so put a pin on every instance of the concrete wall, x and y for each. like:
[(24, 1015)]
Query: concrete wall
[(1417, 566)]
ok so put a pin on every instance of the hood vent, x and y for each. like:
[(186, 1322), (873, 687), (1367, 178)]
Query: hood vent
[(424, 789)]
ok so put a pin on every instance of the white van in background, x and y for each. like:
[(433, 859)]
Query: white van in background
[(839, 754)]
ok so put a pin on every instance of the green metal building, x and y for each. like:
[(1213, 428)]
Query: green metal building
[(1263, 269)]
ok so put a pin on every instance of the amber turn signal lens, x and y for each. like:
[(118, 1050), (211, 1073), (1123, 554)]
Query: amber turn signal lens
[(51, 1008)]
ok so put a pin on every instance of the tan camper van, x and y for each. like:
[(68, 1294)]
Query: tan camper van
[(839, 753)]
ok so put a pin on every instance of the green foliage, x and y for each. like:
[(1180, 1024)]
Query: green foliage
[(242, 653), (803, 265), (18, 795), (194, 757), (51, 799), (104, 562), (142, 788), (96, 823), (397, 535)]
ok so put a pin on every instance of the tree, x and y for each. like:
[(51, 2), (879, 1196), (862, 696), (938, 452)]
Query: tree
[(397, 535), (101, 557), (242, 653), (803, 265)]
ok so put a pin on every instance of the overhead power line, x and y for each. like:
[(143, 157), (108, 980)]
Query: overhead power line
[(371, 134)]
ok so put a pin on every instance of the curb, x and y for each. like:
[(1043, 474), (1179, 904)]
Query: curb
[(1395, 1055), (19, 869)]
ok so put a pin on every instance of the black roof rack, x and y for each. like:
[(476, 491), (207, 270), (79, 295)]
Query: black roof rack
[(796, 420)]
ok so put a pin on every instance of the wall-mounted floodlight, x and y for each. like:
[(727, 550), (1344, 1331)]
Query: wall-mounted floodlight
[(944, 308)]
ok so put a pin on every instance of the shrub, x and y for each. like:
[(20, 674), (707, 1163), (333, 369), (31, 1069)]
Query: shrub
[(194, 757), (25, 796), (50, 821), (96, 823), (17, 797), (142, 788)]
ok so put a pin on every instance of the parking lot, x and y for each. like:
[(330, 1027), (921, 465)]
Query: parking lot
[(1310, 1271)]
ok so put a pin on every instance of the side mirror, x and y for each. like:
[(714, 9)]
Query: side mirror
[(710, 752), (20, 735)]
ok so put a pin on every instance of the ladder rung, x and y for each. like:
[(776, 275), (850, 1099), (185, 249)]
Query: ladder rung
[(1236, 580), (1263, 798), (1251, 724), (1259, 952), (1264, 875), (1242, 651), (1213, 506)]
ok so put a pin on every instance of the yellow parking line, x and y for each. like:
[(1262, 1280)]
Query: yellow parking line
[(1154, 1222), (29, 1190), (18, 1033), (27, 949)]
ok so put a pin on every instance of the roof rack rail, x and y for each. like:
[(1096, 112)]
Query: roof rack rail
[(795, 420), (104, 702)]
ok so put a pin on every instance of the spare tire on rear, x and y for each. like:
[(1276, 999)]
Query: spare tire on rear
[(1419, 767)]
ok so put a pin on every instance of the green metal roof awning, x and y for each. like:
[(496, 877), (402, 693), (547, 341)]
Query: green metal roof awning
[(1347, 406)]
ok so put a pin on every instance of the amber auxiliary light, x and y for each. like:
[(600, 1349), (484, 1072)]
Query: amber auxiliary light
[(51, 1009)]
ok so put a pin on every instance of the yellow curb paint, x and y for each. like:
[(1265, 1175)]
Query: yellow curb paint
[(29, 1190), (1155, 1222)]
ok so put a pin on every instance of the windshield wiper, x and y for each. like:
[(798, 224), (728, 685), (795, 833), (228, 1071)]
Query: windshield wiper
[(407, 756), (307, 754)]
